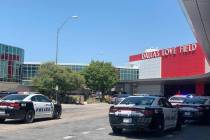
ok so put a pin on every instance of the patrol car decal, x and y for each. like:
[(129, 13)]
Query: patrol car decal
[(46, 109)]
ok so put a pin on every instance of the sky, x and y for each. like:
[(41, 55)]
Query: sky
[(107, 30)]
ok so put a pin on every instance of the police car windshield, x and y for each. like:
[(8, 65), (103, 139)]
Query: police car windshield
[(15, 97), (195, 101), (138, 101)]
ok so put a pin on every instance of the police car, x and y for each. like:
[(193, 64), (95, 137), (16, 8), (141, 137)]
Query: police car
[(148, 113), (28, 107), (196, 108), (177, 100)]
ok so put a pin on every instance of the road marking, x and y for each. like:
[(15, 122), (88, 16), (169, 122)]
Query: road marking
[(86, 132), (99, 129), (68, 137)]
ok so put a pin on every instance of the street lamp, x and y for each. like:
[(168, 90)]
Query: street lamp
[(58, 31)]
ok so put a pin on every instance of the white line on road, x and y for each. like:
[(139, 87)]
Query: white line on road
[(99, 129), (68, 137), (86, 132)]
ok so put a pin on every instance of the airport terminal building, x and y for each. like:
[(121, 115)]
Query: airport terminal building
[(182, 69)]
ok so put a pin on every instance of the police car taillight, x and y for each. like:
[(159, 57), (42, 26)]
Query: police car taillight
[(14, 105), (148, 112), (207, 108), (137, 110), (200, 108), (112, 109), (177, 106)]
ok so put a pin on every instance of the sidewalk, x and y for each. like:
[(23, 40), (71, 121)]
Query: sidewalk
[(69, 106)]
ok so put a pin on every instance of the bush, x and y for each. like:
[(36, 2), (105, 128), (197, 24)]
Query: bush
[(72, 99), (92, 100)]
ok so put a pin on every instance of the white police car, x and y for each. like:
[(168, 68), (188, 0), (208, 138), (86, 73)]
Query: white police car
[(149, 113), (196, 108), (177, 100), (28, 107)]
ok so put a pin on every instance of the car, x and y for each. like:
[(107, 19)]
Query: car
[(113, 99), (28, 107), (5, 93), (121, 97), (196, 108), (146, 113), (177, 99)]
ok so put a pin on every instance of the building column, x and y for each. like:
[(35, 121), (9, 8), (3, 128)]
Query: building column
[(199, 89)]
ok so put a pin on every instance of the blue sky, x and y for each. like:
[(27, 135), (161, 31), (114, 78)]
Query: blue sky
[(108, 30)]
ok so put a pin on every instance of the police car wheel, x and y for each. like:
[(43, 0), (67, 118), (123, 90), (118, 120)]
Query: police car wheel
[(117, 130), (29, 117), (2, 120), (57, 114)]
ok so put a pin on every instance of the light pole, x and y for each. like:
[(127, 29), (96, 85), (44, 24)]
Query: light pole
[(57, 35)]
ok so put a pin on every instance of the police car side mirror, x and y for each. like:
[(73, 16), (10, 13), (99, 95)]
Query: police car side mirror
[(53, 101)]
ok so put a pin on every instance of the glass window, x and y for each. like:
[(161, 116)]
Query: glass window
[(138, 101), (164, 103), (195, 101), (15, 97), (43, 98)]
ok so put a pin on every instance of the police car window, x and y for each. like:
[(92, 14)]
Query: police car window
[(168, 104), (35, 99), (164, 103), (43, 99), (160, 103), (138, 101), (195, 101), (15, 97)]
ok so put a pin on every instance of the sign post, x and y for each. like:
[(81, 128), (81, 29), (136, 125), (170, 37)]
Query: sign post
[(56, 90)]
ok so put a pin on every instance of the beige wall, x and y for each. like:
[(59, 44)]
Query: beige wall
[(151, 89), (8, 86)]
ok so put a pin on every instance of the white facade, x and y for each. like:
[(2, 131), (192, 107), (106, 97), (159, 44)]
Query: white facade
[(150, 68), (151, 89)]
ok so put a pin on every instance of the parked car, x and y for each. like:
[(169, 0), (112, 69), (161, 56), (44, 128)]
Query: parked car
[(28, 107), (149, 113), (113, 99), (5, 93), (177, 100), (196, 108), (121, 97)]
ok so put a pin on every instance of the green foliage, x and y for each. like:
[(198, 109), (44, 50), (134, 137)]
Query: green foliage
[(50, 75), (100, 76)]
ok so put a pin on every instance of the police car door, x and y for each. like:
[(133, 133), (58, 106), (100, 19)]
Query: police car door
[(42, 107), (167, 113), (47, 107), (174, 113), (37, 106)]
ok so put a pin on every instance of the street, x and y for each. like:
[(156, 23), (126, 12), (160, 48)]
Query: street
[(88, 122)]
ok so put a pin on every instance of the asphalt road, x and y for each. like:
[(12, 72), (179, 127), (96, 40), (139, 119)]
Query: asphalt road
[(89, 122)]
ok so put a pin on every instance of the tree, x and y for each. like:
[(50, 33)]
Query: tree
[(49, 75), (100, 76)]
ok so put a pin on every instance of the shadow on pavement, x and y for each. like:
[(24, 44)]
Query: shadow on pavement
[(146, 135), (19, 122)]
